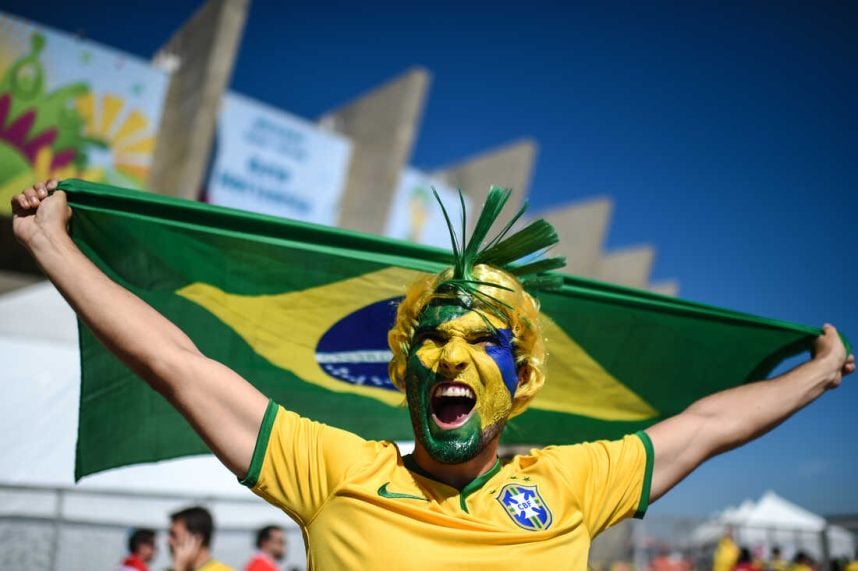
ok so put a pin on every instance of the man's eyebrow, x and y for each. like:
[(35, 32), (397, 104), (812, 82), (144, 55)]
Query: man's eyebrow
[(483, 332), (422, 327)]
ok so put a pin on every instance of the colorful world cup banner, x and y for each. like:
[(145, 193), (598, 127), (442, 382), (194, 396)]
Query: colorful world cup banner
[(73, 108), (414, 213), (272, 162)]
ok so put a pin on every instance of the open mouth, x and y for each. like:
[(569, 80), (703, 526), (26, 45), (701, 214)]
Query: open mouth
[(452, 404)]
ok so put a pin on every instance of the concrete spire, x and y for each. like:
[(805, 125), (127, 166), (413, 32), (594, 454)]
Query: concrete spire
[(629, 267), (200, 57), (382, 126), (581, 227), (508, 166)]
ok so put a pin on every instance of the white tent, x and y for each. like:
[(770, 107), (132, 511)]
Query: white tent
[(773, 521), (39, 360)]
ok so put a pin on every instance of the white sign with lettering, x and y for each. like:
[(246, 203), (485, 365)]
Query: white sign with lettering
[(273, 162)]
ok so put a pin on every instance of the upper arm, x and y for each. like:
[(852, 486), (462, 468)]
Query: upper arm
[(680, 444), (221, 406)]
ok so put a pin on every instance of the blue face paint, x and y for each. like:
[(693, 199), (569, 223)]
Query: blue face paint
[(501, 353)]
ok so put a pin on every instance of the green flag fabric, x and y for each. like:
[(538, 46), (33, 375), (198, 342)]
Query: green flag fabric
[(302, 312)]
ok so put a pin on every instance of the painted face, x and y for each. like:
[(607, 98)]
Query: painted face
[(460, 380)]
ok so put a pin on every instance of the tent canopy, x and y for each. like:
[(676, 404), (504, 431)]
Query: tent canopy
[(774, 521)]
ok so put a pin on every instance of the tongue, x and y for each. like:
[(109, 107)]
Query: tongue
[(452, 410)]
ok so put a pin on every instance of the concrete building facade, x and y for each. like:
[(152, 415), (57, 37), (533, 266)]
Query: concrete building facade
[(200, 58), (382, 125)]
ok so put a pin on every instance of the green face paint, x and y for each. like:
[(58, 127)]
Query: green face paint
[(456, 393)]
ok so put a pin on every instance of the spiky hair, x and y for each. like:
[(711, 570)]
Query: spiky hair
[(502, 252)]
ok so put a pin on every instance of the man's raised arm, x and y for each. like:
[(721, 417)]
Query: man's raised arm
[(222, 407), (730, 418)]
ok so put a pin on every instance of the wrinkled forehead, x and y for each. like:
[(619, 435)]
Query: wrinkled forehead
[(448, 315)]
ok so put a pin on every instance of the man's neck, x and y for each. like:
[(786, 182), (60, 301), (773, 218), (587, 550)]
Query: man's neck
[(457, 475), (203, 557)]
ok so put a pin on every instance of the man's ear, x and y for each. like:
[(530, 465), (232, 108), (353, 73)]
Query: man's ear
[(524, 378)]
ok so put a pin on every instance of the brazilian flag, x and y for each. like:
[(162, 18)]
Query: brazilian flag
[(302, 312)]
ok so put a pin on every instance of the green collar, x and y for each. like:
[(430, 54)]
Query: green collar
[(469, 489)]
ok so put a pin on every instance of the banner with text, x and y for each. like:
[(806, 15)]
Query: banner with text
[(272, 162)]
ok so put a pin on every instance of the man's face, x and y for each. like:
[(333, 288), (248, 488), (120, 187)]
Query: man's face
[(178, 533), (275, 545), (146, 551), (460, 379)]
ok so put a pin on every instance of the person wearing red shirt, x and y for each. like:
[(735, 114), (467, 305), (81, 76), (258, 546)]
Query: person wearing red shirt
[(271, 548), (141, 550)]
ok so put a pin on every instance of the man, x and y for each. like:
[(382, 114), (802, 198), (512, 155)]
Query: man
[(745, 562), (469, 353), (777, 562), (802, 562), (190, 541), (141, 550), (270, 548), (852, 565), (727, 552)]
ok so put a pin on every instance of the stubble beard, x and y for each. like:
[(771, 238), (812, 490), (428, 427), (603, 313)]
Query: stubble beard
[(454, 450)]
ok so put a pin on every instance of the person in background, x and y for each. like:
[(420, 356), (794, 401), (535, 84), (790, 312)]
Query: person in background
[(727, 552), (270, 549), (777, 562), (802, 562), (141, 550), (745, 561), (190, 541)]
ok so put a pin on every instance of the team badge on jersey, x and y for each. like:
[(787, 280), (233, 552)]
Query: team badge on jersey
[(525, 506)]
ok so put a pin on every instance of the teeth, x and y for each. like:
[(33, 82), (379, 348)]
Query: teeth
[(454, 391)]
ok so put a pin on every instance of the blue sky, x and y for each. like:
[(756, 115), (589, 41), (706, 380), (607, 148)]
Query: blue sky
[(727, 136)]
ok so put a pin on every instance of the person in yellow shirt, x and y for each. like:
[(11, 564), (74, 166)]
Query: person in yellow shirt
[(777, 562), (468, 353), (802, 562), (727, 552)]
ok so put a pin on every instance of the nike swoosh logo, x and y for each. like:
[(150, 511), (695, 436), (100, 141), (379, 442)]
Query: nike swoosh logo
[(382, 491)]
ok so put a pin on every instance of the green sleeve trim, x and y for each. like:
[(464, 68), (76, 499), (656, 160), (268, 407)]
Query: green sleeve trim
[(261, 445), (643, 503)]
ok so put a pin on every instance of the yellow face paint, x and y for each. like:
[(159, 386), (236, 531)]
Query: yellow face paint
[(458, 381)]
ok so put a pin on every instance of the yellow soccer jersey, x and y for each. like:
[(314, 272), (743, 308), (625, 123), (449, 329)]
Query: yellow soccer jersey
[(213, 565), (726, 555), (362, 505)]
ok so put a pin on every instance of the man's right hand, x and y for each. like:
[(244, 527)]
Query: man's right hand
[(36, 213), (830, 355)]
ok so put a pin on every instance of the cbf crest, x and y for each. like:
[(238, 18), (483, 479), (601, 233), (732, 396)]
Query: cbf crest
[(525, 506)]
